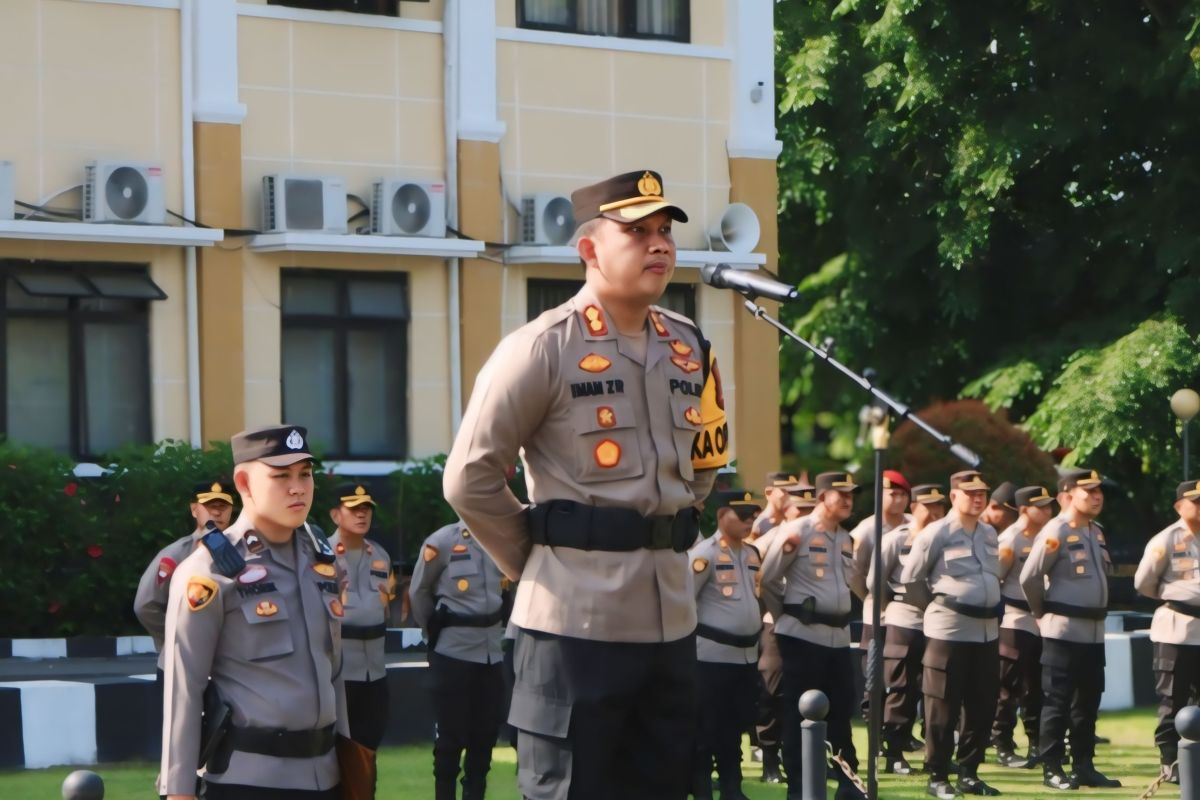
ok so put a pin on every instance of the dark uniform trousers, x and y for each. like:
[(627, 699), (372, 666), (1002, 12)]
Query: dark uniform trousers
[(1177, 681), (770, 699), (1072, 682), (902, 653), (468, 700), (227, 791), (603, 720), (958, 675), (813, 666), (367, 711), (1020, 684), (725, 709)]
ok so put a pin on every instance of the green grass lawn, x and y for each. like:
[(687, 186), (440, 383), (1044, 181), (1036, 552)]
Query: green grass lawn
[(406, 772)]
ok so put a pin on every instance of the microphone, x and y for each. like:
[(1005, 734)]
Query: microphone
[(722, 276)]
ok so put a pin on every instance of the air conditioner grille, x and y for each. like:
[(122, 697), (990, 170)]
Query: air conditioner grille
[(304, 199)]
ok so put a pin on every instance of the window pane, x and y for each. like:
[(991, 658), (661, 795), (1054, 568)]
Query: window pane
[(117, 393), (661, 18), (53, 283), (378, 299), (376, 393), (680, 298), (129, 285), (39, 395), (599, 17), (18, 299), (543, 295), (548, 12), (307, 295), (309, 370)]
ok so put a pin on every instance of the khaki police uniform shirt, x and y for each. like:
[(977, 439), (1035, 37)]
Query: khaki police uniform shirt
[(270, 639), (1067, 565), (961, 565), (455, 572), (600, 424), (1016, 543), (818, 566), (1170, 570), (369, 585), (863, 536), (726, 580), (150, 603), (901, 607)]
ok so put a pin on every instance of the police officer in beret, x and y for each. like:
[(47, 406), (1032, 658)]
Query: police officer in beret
[(618, 406), (1170, 571), (1020, 637), (1066, 586), (457, 597), (366, 601), (254, 616), (725, 574), (956, 560), (211, 501), (903, 616), (806, 577)]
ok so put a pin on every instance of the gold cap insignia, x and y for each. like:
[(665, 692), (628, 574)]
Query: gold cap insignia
[(649, 186)]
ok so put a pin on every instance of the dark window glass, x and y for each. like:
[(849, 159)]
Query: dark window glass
[(646, 19), (345, 356), (545, 294), (389, 8)]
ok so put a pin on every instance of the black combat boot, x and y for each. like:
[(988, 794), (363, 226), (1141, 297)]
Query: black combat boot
[(1054, 777), (970, 783), (1086, 774), (1006, 755), (771, 773)]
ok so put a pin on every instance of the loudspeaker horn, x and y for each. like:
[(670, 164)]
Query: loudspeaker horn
[(737, 230)]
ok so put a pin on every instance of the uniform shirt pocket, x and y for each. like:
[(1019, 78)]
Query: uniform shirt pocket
[(606, 441), (685, 416), (268, 634), (959, 561), (462, 567)]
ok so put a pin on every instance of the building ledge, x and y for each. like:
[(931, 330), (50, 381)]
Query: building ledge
[(364, 244), (544, 254), (100, 233)]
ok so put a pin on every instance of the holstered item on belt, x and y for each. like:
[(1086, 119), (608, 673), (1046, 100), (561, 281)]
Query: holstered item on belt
[(726, 638), (1079, 612), (966, 609), (1184, 608), (807, 613), (565, 523), (214, 732), (1015, 603), (445, 618), (282, 744), (356, 763), (364, 632)]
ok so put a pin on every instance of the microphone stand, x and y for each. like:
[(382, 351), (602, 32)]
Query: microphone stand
[(880, 436)]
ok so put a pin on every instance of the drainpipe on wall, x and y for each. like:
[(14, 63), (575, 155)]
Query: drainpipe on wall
[(192, 287), (450, 109)]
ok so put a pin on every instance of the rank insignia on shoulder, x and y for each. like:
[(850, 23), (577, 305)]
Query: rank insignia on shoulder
[(699, 565), (335, 607), (681, 348), (463, 584), (266, 608), (686, 364), (254, 544), (659, 327), (252, 574), (466, 534), (430, 553), (593, 318), (1052, 544), (340, 549), (325, 570), (201, 591), (594, 362), (166, 566)]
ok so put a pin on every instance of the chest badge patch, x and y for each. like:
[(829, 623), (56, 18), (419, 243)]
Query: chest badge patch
[(606, 417), (458, 548), (325, 570), (594, 319), (379, 564), (266, 608), (607, 454), (692, 415), (686, 364), (252, 574), (727, 591), (166, 566), (463, 584), (594, 362)]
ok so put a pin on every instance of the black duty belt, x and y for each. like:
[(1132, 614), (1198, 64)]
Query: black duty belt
[(723, 637), (1015, 603), (282, 744), (364, 632), (808, 614), (1184, 608), (565, 523), (1079, 612), (449, 619), (966, 609)]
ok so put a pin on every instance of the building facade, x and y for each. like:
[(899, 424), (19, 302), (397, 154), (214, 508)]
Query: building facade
[(117, 333)]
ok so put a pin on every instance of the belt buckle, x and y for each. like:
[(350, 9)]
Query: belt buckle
[(660, 533)]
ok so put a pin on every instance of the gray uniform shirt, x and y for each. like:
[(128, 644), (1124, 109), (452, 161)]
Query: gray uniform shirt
[(863, 536), (726, 580), (803, 562), (965, 566), (270, 641), (150, 603), (1067, 565), (1016, 543), (1170, 570), (902, 606), (455, 572), (368, 591)]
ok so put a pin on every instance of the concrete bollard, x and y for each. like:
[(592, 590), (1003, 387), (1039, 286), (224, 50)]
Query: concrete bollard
[(1187, 722), (83, 784), (814, 706)]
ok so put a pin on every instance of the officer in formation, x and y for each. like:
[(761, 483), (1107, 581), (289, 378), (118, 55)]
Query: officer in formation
[(366, 601), (616, 403), (457, 595), (806, 577), (903, 615), (211, 501), (1001, 511), (252, 644), (778, 501), (896, 497), (1170, 571), (725, 574), (1065, 584), (1020, 637), (956, 560)]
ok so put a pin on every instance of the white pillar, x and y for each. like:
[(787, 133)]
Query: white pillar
[(215, 62), (474, 28), (752, 40)]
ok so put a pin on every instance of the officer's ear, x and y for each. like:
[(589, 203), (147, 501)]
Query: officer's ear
[(241, 480), (193, 507), (335, 515)]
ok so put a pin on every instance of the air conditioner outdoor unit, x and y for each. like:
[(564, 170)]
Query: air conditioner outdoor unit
[(124, 191), (546, 219), (300, 203), (8, 192), (408, 208)]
